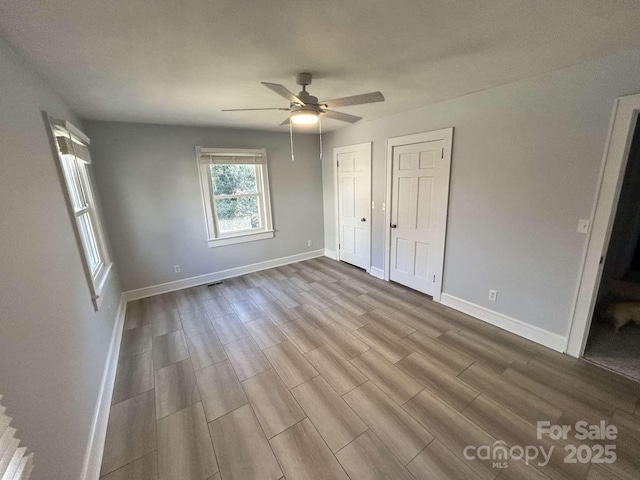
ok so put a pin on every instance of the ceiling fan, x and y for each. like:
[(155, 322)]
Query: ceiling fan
[(306, 109)]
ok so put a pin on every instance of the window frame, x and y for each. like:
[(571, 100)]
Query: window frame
[(215, 238), (69, 166)]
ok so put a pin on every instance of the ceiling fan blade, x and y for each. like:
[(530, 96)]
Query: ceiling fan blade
[(370, 97), (250, 109), (343, 117), (283, 92)]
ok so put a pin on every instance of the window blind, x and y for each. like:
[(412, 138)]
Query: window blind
[(246, 156), (69, 143)]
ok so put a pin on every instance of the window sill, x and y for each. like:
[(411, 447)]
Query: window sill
[(99, 283), (246, 237)]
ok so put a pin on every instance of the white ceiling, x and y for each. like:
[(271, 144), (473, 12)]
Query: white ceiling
[(167, 61)]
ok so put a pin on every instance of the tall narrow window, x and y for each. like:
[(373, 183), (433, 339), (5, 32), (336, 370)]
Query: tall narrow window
[(235, 191), (74, 158)]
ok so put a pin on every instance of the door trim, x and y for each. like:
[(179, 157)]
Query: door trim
[(614, 162), (336, 201), (445, 134)]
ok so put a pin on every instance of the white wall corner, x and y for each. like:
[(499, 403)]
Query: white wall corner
[(377, 272), (331, 254), (97, 436), (530, 332), (218, 276)]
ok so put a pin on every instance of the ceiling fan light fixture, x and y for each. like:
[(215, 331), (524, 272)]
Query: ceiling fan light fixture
[(304, 117)]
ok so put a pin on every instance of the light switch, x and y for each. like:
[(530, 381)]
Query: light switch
[(583, 226)]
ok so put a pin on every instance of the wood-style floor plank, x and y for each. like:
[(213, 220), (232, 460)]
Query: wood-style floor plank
[(272, 402), (131, 431), (165, 322), (437, 461), (304, 455), (388, 324), (185, 451), (136, 341), (340, 374), (445, 385), (387, 376), (303, 336), (342, 340), (169, 348), (220, 306), (134, 376), (452, 428), (352, 303), (520, 401), (247, 358), (229, 328), (175, 387), (145, 468), (246, 310), (345, 317), (278, 312), (205, 350), (441, 356), (292, 367), (195, 322), (367, 458), (265, 333), (220, 390), (402, 434), (242, 450), (336, 422), (387, 346)]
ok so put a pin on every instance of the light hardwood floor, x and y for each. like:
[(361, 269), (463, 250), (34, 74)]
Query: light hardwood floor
[(317, 370)]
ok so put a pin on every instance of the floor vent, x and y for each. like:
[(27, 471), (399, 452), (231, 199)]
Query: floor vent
[(15, 463)]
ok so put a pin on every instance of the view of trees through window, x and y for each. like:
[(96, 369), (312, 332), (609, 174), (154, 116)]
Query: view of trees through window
[(235, 193)]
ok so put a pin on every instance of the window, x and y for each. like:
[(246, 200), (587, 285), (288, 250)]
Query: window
[(235, 192), (74, 158)]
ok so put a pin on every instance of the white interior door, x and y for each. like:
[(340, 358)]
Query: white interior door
[(353, 164), (419, 197)]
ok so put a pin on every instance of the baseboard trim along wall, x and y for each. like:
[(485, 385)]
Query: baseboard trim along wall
[(535, 334), (331, 254), (218, 276), (377, 272), (95, 449)]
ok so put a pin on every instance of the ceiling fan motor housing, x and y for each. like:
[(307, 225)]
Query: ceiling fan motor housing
[(303, 79)]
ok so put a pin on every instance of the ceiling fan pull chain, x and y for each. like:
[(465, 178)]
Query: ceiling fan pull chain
[(293, 159), (320, 127)]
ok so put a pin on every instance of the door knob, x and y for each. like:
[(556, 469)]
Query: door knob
[(393, 225), (363, 219)]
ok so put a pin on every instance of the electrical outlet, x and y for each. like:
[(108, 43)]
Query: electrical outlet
[(309, 243), (176, 268), (583, 226), (493, 295)]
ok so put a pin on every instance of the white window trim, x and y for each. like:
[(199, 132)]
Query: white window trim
[(214, 239), (97, 280)]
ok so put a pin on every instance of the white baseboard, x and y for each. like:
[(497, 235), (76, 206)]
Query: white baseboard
[(93, 457), (377, 272), (535, 334), (331, 254), (217, 276)]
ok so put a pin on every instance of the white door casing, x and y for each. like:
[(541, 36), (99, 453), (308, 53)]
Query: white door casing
[(353, 192), (418, 171), (616, 153)]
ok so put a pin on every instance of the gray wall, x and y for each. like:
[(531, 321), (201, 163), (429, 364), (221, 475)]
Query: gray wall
[(148, 181), (53, 346), (526, 160)]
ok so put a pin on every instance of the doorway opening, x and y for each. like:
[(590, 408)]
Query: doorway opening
[(614, 336)]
